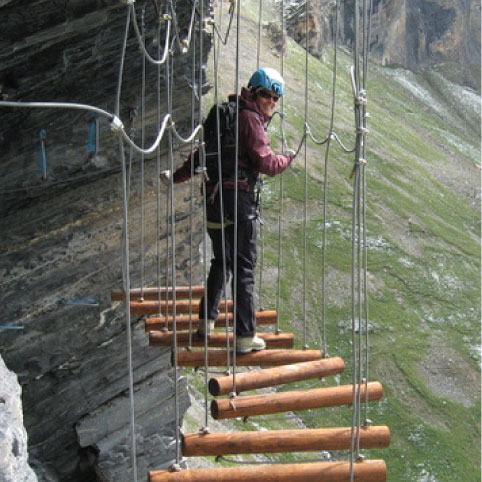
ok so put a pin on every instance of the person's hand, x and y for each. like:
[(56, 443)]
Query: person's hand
[(165, 177)]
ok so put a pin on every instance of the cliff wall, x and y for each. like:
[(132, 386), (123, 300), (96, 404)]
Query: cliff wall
[(413, 34), (61, 235)]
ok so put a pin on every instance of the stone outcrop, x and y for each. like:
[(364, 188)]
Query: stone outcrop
[(13, 437), (413, 34)]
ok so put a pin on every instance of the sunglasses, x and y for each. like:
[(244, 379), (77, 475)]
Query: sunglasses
[(267, 95)]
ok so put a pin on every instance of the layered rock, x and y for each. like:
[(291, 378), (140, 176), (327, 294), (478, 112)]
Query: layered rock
[(61, 237), (409, 33)]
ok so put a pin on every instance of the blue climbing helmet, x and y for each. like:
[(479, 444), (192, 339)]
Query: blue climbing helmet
[(269, 79)]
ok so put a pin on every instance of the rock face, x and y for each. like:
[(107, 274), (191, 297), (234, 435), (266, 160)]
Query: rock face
[(13, 437), (61, 236), (409, 33)]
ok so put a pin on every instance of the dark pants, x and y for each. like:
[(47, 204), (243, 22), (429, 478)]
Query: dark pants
[(246, 263)]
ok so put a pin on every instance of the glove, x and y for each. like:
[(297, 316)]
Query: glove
[(289, 152), (165, 177)]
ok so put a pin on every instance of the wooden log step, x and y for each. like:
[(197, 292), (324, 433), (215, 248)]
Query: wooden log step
[(267, 317), (151, 293), (278, 441), (271, 377), (260, 358), (365, 471), (182, 306), (247, 406), (217, 340)]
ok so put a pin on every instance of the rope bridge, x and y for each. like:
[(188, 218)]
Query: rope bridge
[(171, 310)]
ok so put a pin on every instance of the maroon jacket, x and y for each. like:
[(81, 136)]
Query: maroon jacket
[(254, 148)]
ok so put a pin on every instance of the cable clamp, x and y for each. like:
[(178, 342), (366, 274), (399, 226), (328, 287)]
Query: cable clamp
[(175, 468), (184, 46), (165, 17), (116, 124), (361, 98), (232, 401), (368, 422), (210, 21), (360, 458), (368, 115), (362, 162), (204, 431), (362, 130), (128, 2), (332, 136)]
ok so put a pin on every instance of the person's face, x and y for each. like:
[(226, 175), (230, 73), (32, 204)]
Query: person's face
[(266, 101)]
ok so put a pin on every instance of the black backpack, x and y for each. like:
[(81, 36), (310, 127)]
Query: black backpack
[(227, 131)]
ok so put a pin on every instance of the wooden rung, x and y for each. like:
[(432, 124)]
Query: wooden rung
[(217, 340), (291, 401), (182, 306), (261, 358), (277, 441), (365, 471), (182, 292), (271, 377), (267, 317)]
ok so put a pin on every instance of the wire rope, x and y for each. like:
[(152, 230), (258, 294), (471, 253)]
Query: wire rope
[(125, 264), (236, 178), (221, 198), (325, 184), (127, 287), (161, 58), (260, 179), (281, 183), (191, 201), (143, 140), (224, 40), (305, 203), (360, 344), (204, 429)]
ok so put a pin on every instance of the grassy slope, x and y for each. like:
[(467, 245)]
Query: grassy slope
[(424, 249)]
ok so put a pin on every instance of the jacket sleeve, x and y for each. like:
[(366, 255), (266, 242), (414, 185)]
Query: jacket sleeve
[(183, 173), (257, 147)]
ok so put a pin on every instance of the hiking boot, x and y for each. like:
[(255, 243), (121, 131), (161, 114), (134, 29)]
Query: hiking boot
[(248, 344), (205, 326)]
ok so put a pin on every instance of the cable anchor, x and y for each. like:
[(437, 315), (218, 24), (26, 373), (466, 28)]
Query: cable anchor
[(175, 468), (204, 431), (116, 124)]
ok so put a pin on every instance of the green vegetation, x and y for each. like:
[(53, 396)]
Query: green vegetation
[(423, 227)]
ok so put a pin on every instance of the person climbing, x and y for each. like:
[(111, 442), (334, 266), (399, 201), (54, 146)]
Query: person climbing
[(255, 157)]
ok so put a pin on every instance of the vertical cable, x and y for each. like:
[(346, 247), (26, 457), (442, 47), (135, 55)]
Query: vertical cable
[(173, 261), (158, 179), (191, 201), (235, 242), (143, 140), (205, 255), (258, 46), (221, 193), (325, 184), (125, 263), (127, 290), (305, 204), (260, 179), (281, 184)]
